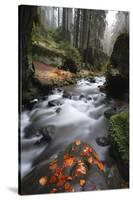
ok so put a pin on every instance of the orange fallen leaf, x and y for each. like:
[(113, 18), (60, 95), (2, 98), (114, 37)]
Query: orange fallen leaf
[(68, 187), (77, 142), (69, 178), (58, 171), (80, 162), (96, 156), (90, 160), (101, 166), (87, 149), (53, 190), (80, 169), (83, 154), (53, 179), (53, 165), (82, 182), (68, 161), (66, 156), (43, 180)]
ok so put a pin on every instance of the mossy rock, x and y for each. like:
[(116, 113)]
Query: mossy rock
[(119, 134), (77, 168), (120, 55), (117, 74)]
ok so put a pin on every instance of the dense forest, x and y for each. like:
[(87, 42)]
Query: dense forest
[(74, 99)]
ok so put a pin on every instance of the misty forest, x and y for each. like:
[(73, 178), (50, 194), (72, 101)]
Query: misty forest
[(74, 99)]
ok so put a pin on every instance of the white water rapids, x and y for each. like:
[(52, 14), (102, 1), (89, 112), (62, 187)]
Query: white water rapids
[(79, 117)]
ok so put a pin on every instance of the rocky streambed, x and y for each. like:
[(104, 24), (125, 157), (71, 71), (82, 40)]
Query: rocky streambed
[(51, 129)]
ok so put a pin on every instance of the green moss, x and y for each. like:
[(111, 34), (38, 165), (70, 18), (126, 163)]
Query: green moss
[(70, 51), (119, 134), (120, 55)]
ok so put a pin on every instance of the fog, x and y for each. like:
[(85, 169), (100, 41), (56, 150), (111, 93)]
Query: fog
[(117, 23)]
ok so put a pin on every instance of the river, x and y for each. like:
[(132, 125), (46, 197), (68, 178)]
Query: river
[(77, 113)]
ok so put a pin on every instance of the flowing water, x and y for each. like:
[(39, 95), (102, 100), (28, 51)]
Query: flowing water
[(79, 117)]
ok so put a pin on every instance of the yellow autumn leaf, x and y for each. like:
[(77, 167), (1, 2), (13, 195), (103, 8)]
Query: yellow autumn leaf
[(43, 180), (82, 182)]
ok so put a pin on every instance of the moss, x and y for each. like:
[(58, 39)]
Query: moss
[(70, 51), (120, 55), (119, 134)]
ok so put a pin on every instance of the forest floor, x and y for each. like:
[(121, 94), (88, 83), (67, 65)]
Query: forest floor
[(47, 74)]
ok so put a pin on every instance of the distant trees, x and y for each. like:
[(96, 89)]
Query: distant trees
[(89, 26), (81, 28), (67, 23)]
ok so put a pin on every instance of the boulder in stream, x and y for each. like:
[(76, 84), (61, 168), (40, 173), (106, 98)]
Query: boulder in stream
[(117, 77), (78, 168), (55, 102), (102, 141)]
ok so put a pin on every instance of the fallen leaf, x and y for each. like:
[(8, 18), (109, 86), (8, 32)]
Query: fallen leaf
[(43, 180), (53, 190), (60, 183), (58, 171), (96, 156), (53, 179), (68, 187), (87, 149), (101, 166), (73, 149), (90, 160), (77, 142), (69, 178), (68, 161), (82, 182), (53, 165), (83, 154), (80, 169)]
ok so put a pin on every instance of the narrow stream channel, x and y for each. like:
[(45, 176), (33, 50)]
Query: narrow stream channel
[(52, 124)]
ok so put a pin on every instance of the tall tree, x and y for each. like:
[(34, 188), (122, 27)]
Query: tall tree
[(76, 31)]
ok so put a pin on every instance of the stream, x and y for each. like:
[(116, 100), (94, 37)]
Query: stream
[(53, 123)]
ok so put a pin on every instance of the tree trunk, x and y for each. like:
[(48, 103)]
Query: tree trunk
[(88, 40), (77, 29)]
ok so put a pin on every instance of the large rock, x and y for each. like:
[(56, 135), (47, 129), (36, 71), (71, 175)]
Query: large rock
[(78, 168), (120, 55), (55, 102), (70, 65), (118, 131), (117, 77)]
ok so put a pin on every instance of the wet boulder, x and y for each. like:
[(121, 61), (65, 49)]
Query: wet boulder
[(117, 77), (55, 102), (102, 141), (92, 80), (43, 140), (77, 168), (82, 96), (120, 55), (89, 98), (46, 134), (70, 65), (67, 95)]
